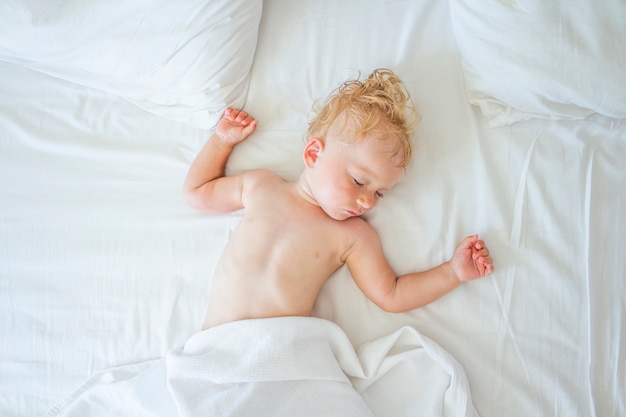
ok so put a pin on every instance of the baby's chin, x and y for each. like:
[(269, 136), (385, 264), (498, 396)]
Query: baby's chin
[(340, 214)]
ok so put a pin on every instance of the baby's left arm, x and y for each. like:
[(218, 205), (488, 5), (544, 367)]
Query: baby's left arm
[(376, 279)]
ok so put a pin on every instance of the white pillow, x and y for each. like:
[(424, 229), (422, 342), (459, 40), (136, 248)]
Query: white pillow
[(556, 59), (184, 60)]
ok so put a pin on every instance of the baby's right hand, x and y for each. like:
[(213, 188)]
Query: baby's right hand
[(235, 126)]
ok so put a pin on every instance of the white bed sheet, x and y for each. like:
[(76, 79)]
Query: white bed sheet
[(101, 263)]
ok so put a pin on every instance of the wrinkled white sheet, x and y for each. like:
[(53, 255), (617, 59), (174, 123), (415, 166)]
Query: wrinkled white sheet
[(288, 366), (102, 264)]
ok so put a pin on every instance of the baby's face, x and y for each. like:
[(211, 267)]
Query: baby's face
[(348, 180)]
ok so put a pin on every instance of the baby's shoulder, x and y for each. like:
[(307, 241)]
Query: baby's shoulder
[(358, 228), (259, 183), (355, 233), (355, 229), (263, 174), (262, 178)]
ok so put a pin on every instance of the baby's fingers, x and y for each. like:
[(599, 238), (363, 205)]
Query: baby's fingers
[(480, 252), (484, 264), (249, 128), (230, 113), (238, 116), (241, 117), (480, 244)]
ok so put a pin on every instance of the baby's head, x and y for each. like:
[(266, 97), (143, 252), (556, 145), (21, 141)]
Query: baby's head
[(358, 145), (379, 107)]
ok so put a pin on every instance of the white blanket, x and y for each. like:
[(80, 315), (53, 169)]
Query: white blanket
[(289, 366)]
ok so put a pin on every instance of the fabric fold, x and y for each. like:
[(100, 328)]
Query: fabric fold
[(287, 366)]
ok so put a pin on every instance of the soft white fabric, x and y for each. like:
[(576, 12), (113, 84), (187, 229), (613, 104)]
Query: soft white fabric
[(102, 264), (561, 59), (287, 366), (184, 60)]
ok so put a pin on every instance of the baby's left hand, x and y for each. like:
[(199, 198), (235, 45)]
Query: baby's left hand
[(471, 259)]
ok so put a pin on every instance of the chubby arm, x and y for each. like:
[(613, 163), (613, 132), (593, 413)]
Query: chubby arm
[(206, 186), (375, 277)]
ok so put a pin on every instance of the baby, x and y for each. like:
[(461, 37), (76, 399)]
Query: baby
[(294, 235)]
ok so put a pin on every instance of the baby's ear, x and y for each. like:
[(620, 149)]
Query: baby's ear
[(312, 151)]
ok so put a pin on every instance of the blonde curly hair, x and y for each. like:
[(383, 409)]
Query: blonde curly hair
[(379, 105)]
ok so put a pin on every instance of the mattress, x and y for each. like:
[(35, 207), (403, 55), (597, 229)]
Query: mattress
[(103, 265)]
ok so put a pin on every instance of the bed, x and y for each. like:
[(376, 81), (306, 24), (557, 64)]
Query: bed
[(103, 106)]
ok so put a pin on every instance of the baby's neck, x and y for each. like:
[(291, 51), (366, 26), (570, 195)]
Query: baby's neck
[(303, 189)]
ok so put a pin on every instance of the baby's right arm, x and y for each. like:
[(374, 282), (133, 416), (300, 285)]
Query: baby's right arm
[(235, 126), (206, 186)]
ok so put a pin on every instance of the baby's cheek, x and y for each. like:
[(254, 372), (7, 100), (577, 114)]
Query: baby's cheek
[(339, 194)]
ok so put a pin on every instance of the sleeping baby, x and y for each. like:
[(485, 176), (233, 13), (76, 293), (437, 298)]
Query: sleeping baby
[(260, 353), (294, 235)]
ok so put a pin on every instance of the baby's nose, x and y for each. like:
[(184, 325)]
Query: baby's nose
[(365, 201)]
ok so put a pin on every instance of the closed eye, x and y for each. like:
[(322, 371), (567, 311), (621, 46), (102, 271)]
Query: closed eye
[(359, 184), (379, 194)]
